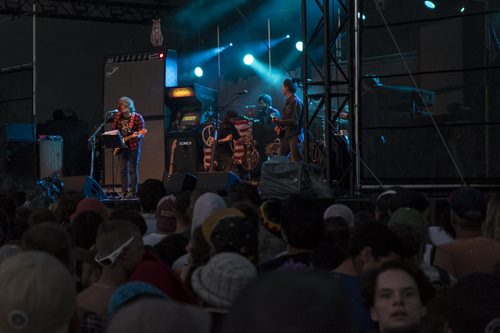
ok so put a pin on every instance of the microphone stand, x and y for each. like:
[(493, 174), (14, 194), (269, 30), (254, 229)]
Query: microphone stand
[(216, 129), (92, 140)]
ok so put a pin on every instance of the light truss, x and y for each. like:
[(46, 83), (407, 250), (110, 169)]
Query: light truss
[(335, 82), (87, 10)]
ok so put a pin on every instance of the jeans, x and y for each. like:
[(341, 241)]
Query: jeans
[(129, 168), (290, 144)]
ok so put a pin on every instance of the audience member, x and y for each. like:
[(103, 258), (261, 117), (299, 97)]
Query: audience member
[(234, 234), (166, 222), (119, 251), (219, 281), (339, 210), (9, 205), (409, 225), (155, 272), (334, 247), (93, 205), (470, 252), (150, 192), (83, 229), (52, 238), (38, 295), (270, 241), (65, 206), (149, 314), (292, 303), (244, 192), (206, 205), (474, 304), (370, 246), (198, 249), (132, 216), (396, 294), (405, 197), (302, 229), (183, 215), (491, 226), (40, 215), (382, 212), (4, 226), (171, 248)]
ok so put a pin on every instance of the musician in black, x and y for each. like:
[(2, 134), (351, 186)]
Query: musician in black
[(266, 110), (129, 123), (290, 123), (226, 134)]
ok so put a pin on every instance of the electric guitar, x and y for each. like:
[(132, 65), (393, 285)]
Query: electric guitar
[(278, 130), (116, 151)]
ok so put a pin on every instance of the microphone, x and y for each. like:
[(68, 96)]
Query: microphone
[(248, 106), (243, 92), (112, 111)]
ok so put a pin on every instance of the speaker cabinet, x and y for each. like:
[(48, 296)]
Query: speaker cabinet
[(220, 182), (51, 156), (152, 161), (181, 182), (76, 156), (142, 77)]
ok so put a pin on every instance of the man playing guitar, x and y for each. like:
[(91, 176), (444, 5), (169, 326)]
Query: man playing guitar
[(289, 126), (130, 124)]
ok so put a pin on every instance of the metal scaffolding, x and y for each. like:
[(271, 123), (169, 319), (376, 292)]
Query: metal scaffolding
[(325, 80), (87, 10)]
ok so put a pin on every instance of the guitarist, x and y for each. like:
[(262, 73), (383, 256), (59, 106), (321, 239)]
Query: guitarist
[(290, 122), (128, 122)]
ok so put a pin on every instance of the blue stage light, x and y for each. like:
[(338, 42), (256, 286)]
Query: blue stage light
[(248, 59), (430, 4), (198, 71)]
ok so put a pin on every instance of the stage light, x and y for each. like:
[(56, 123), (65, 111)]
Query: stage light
[(361, 16), (299, 46), (462, 9), (198, 72), (248, 59), (162, 55), (287, 36), (430, 4), (230, 44)]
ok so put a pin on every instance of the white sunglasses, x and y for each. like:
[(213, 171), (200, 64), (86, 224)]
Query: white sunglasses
[(110, 259)]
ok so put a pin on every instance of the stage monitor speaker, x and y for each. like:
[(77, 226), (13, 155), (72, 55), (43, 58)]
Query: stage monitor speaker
[(92, 189), (142, 77), (152, 160), (220, 182), (181, 182)]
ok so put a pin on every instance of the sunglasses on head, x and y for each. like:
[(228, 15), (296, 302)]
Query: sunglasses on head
[(110, 259)]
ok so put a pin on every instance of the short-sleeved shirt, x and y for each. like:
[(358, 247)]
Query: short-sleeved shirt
[(225, 148)]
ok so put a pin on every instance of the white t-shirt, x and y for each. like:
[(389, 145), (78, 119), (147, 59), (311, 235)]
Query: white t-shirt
[(153, 238)]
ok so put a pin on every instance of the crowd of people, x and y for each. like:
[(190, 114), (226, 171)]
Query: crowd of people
[(199, 262)]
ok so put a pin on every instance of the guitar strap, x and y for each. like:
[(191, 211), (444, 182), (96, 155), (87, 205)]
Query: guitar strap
[(131, 122)]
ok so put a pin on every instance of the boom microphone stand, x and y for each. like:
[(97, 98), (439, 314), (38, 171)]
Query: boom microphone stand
[(92, 140)]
